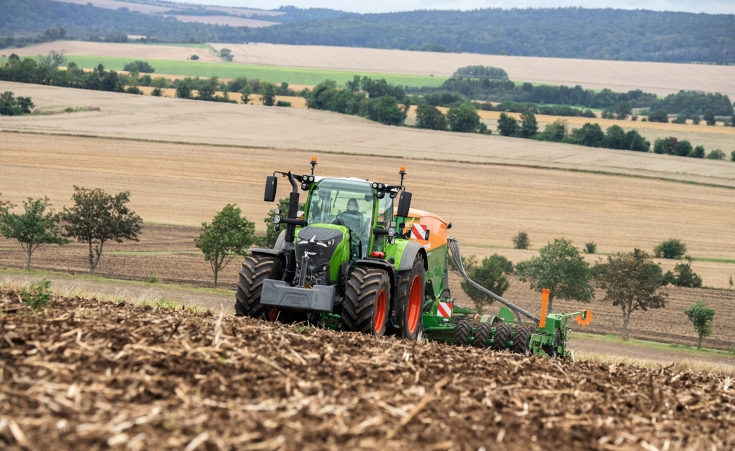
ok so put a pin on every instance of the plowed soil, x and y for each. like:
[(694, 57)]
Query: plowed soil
[(101, 375)]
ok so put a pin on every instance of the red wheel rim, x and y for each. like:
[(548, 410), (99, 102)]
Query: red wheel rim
[(414, 305), (379, 317), (271, 313)]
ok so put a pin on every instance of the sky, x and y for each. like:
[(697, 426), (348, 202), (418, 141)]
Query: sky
[(377, 6)]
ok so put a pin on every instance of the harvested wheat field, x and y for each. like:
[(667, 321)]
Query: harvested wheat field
[(136, 51), (659, 78), (166, 119), (95, 374)]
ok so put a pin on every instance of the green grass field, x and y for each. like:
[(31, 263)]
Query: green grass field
[(274, 74)]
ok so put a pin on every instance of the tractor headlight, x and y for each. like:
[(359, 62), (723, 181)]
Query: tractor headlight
[(276, 219), (375, 186)]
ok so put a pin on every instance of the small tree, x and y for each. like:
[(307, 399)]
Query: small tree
[(521, 241), (246, 92), (53, 59), (529, 126), (268, 93), (696, 119), (624, 110), (463, 118), (183, 90), (490, 275), (671, 248), (659, 116), (590, 248), (97, 218), (709, 117), (701, 317), (631, 281), (132, 68), (716, 154), (430, 117), (698, 152), (39, 225), (560, 268), (227, 236), (507, 125), (683, 276), (732, 155)]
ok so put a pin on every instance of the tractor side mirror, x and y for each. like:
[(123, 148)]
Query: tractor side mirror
[(271, 183), (404, 204)]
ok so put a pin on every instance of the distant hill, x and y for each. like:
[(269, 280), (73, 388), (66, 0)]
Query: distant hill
[(560, 32)]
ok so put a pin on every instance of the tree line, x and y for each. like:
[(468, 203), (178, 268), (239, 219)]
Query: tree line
[(631, 281)]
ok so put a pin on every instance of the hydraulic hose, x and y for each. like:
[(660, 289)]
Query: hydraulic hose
[(456, 256)]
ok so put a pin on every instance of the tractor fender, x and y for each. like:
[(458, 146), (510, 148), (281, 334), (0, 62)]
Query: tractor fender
[(273, 252), (410, 252), (280, 240), (385, 266)]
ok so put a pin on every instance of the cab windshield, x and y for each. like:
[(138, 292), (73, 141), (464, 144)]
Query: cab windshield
[(344, 202)]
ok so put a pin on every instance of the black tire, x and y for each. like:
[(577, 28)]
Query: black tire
[(482, 335), (502, 335), (462, 333), (411, 293), (255, 269), (520, 340), (367, 298)]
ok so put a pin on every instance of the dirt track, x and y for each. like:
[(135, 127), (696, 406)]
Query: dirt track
[(89, 374)]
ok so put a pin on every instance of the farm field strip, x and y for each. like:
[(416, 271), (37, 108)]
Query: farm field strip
[(166, 119), (659, 78)]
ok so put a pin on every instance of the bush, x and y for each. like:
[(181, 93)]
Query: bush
[(680, 119), (590, 248), (521, 241), (428, 116), (283, 103), (683, 148), (194, 57), (507, 125), (659, 116), (636, 142), (698, 152), (38, 295), (696, 119), (732, 155), (716, 154), (590, 135), (709, 117), (683, 276), (143, 67), (10, 106), (665, 146), (463, 118), (152, 279), (671, 248)]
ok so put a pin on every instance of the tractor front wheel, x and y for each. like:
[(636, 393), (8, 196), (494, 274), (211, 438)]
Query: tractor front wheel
[(256, 269), (365, 307), (410, 302)]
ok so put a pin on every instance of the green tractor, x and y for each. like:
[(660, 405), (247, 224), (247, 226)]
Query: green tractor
[(355, 261)]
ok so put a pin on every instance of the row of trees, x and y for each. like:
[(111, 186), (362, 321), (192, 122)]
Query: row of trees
[(95, 219), (377, 104), (631, 281), (689, 103)]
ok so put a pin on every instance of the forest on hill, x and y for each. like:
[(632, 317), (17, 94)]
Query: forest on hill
[(559, 32)]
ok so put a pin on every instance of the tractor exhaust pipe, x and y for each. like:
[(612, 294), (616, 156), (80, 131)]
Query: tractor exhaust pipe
[(293, 209)]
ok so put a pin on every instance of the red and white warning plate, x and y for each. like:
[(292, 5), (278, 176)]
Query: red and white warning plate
[(444, 309), (418, 232)]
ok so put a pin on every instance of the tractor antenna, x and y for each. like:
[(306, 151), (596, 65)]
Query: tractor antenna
[(313, 164), (402, 171)]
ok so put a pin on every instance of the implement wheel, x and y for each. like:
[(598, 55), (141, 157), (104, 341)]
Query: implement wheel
[(255, 269), (410, 302), (502, 335), (552, 350), (365, 307), (462, 332), (521, 340), (482, 335)]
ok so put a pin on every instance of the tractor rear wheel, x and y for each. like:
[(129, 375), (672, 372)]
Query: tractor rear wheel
[(365, 307), (482, 335), (502, 335), (256, 269), (521, 340), (410, 302), (462, 333)]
